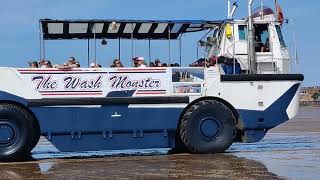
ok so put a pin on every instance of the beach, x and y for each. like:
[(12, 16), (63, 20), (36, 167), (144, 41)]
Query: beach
[(290, 151)]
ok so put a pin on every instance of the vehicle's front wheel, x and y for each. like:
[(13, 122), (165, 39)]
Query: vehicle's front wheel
[(208, 126), (17, 133)]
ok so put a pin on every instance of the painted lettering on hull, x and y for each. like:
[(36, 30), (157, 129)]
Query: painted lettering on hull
[(72, 83), (124, 82)]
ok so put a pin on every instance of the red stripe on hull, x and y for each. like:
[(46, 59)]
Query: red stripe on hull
[(150, 93), (69, 94)]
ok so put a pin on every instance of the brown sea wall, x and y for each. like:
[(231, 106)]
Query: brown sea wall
[(309, 103)]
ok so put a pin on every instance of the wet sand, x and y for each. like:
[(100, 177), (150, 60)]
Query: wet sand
[(290, 151)]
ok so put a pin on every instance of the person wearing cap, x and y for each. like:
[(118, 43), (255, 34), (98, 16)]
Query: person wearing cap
[(93, 65), (139, 62)]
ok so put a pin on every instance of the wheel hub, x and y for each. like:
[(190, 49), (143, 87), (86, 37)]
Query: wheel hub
[(209, 127), (6, 133)]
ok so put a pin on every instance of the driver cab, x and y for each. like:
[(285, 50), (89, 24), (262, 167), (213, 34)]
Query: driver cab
[(271, 53)]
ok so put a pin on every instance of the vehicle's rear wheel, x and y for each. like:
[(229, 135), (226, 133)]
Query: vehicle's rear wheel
[(19, 133), (208, 126)]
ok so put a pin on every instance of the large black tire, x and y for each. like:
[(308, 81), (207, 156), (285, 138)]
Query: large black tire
[(19, 133), (208, 126)]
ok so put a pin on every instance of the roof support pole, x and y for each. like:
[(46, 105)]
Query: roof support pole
[(149, 50), (88, 52), (40, 41), (180, 52), (234, 50), (205, 54), (169, 34), (131, 40), (229, 7), (43, 49), (119, 43), (197, 50), (95, 43), (251, 49)]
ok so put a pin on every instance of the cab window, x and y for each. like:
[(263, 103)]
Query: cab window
[(261, 38), (282, 43), (242, 32)]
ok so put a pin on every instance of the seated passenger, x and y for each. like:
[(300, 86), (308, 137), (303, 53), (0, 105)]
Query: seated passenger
[(71, 60), (72, 63), (47, 64), (139, 62), (33, 64), (41, 63), (157, 63), (176, 65), (213, 60), (77, 64), (117, 63), (95, 65), (265, 47)]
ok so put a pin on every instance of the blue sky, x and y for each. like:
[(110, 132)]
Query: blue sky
[(20, 39)]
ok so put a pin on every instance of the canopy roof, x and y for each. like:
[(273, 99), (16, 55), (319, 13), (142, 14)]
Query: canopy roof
[(125, 29)]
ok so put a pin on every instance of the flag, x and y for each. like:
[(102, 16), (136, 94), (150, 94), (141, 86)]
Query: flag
[(279, 11)]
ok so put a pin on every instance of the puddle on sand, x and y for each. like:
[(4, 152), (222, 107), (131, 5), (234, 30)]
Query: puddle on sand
[(183, 166), (278, 155)]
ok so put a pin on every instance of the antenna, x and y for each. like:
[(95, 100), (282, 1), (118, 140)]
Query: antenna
[(235, 6)]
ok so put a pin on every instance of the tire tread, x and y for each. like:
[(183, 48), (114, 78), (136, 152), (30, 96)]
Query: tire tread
[(185, 136)]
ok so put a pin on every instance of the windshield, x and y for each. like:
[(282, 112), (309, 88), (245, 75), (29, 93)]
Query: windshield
[(282, 43)]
